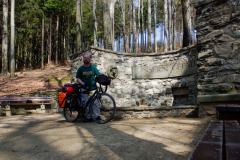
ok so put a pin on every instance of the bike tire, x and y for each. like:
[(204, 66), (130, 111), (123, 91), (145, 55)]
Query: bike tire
[(71, 111), (102, 108)]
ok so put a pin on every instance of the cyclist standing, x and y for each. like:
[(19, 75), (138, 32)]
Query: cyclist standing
[(85, 76)]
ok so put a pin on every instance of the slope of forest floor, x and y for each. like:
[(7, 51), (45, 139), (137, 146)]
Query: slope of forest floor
[(50, 78)]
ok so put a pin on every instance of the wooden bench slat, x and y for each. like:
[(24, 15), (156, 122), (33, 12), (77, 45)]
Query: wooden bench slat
[(10, 99), (210, 145), (24, 104), (232, 134)]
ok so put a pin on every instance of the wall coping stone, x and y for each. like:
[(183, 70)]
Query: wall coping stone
[(218, 98), (135, 54), (147, 108)]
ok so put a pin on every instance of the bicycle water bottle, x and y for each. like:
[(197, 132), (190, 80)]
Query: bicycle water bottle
[(82, 100)]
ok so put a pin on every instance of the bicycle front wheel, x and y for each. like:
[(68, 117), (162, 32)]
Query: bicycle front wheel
[(71, 111), (102, 108)]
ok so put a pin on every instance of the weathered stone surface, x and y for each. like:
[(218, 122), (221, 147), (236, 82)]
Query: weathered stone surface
[(129, 91), (233, 31), (218, 40)]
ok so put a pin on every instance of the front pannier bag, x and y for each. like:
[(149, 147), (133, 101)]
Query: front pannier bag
[(103, 79), (61, 99)]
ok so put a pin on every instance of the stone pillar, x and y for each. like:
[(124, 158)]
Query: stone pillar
[(8, 111), (43, 108)]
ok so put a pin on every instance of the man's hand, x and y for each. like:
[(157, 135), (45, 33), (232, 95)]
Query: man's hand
[(84, 86)]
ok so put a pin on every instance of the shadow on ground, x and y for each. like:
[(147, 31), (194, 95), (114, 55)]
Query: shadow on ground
[(51, 137)]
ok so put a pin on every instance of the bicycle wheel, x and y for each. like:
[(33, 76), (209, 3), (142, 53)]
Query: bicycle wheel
[(102, 108), (71, 112)]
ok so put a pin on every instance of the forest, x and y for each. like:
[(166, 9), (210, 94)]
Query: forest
[(36, 33)]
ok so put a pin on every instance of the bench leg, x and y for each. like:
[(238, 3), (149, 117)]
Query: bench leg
[(8, 111), (43, 108)]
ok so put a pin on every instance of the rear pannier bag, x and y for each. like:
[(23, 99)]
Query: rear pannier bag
[(103, 79), (61, 99)]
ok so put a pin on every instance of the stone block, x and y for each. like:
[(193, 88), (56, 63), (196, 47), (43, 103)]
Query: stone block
[(43, 110), (218, 98), (8, 111), (233, 31), (21, 111)]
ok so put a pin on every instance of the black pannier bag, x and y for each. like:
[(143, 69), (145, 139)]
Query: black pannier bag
[(103, 79)]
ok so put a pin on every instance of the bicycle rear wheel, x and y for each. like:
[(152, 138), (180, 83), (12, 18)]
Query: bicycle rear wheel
[(102, 108), (71, 111)]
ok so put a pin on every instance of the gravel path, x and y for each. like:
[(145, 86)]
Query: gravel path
[(51, 137)]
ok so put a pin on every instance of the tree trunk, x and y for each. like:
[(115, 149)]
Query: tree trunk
[(5, 38), (107, 25), (50, 41), (149, 26), (95, 24), (119, 40), (130, 29), (174, 10), (142, 32), (170, 24), (42, 53), (165, 25), (187, 30), (68, 38), (111, 9), (138, 30), (56, 55), (155, 28), (12, 66), (79, 44), (134, 28), (124, 27)]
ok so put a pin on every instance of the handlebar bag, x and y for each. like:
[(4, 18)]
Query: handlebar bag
[(103, 79)]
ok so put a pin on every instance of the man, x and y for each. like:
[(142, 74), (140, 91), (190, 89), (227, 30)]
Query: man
[(85, 75)]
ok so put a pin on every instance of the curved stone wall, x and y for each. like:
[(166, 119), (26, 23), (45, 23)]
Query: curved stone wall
[(161, 79)]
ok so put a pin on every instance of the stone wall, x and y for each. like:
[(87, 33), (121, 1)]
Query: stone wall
[(218, 38), (161, 79)]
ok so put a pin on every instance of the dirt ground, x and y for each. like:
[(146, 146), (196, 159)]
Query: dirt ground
[(50, 78), (51, 137)]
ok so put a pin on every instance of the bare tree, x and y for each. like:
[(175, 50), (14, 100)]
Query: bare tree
[(108, 20), (134, 28), (165, 25), (12, 66), (50, 40), (170, 25), (57, 29), (187, 26), (124, 26), (95, 23), (79, 44), (42, 53), (142, 36), (149, 26), (155, 23), (174, 15), (5, 38), (138, 29)]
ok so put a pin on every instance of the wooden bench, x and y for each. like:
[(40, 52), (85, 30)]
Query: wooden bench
[(228, 112), (220, 141), (23, 101)]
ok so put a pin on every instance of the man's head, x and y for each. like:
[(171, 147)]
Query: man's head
[(86, 59)]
